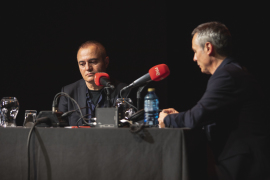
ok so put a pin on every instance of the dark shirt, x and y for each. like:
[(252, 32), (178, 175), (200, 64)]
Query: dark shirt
[(94, 99)]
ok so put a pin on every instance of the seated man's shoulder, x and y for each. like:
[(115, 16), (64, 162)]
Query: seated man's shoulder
[(76, 84), (233, 69)]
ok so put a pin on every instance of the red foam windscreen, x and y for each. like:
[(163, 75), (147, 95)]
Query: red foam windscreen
[(98, 76), (159, 72)]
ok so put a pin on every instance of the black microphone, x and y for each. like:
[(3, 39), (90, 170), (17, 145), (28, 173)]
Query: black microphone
[(103, 79), (156, 73)]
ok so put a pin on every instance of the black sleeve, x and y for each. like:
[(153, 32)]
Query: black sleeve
[(63, 103), (219, 100)]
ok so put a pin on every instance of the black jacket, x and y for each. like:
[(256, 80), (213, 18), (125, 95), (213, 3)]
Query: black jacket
[(233, 114), (77, 91)]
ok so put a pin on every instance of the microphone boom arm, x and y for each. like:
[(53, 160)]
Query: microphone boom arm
[(139, 95)]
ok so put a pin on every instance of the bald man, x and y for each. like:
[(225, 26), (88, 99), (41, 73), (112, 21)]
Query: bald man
[(91, 58)]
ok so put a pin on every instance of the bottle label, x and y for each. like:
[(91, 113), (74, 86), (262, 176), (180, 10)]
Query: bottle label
[(150, 105)]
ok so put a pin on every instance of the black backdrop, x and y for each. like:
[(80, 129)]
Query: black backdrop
[(39, 43)]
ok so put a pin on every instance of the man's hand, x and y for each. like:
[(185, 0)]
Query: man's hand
[(161, 117), (170, 111), (163, 114)]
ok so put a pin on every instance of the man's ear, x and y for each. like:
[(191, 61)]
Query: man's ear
[(209, 48), (107, 60)]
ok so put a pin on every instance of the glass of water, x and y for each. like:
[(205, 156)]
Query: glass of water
[(29, 118), (9, 111)]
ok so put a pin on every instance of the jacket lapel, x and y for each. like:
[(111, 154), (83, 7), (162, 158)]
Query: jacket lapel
[(81, 96)]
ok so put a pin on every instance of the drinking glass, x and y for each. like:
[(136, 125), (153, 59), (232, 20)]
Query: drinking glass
[(9, 111), (124, 109), (29, 118)]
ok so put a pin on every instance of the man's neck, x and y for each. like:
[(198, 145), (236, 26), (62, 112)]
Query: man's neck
[(216, 63), (93, 86)]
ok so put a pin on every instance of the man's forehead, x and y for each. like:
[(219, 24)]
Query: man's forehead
[(91, 50), (194, 37), (194, 41)]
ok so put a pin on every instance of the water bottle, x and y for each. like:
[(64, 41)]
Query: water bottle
[(151, 108)]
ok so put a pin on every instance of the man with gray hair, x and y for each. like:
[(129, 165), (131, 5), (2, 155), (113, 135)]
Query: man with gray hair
[(232, 111)]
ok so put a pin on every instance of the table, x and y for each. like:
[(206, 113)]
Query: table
[(102, 153)]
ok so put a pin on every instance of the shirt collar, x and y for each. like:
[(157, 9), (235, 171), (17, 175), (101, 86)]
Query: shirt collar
[(227, 60)]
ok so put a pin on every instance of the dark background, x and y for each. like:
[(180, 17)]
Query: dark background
[(39, 43)]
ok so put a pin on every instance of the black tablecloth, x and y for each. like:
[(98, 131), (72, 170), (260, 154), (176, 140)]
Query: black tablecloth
[(97, 153)]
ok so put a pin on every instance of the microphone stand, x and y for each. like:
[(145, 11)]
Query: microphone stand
[(139, 95), (108, 96)]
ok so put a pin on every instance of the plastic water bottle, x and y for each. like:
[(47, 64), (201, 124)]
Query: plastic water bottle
[(151, 103)]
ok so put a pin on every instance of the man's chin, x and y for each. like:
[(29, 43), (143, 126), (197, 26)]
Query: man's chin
[(90, 80), (205, 71)]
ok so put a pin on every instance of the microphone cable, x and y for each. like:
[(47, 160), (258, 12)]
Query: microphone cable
[(91, 119), (76, 110), (71, 111), (73, 101), (122, 90), (138, 94), (123, 99), (39, 120), (45, 119)]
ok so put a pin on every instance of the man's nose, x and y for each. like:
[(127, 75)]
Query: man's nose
[(88, 67), (194, 58)]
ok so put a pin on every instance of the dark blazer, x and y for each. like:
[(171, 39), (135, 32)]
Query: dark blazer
[(232, 112), (77, 91)]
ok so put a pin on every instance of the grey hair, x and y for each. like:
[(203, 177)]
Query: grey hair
[(217, 34)]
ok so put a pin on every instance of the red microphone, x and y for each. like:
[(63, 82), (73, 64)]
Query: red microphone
[(103, 79), (156, 73), (159, 72)]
